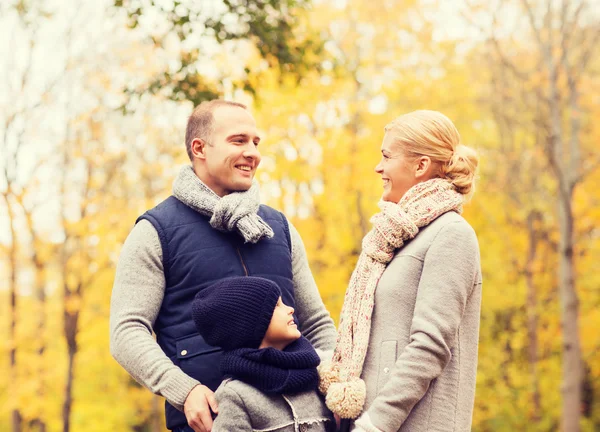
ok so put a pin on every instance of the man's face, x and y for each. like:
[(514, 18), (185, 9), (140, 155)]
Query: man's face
[(231, 155)]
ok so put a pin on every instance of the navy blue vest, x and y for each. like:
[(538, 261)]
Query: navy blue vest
[(196, 255)]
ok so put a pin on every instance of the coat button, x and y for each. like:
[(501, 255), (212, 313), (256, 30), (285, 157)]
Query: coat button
[(303, 427), (184, 352), (386, 370)]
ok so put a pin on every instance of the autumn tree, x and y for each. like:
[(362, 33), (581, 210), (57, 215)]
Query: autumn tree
[(551, 69), (19, 179)]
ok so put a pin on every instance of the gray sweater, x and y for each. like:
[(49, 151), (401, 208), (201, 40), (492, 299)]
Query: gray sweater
[(137, 297), (421, 361), (243, 408)]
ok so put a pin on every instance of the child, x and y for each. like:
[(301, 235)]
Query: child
[(271, 369)]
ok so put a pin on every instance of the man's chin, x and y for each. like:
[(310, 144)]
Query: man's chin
[(242, 186), (240, 190)]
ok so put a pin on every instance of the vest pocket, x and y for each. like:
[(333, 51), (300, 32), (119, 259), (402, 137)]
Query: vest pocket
[(199, 360), (387, 360)]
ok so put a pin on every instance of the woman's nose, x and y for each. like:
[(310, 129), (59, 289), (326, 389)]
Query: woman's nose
[(378, 168)]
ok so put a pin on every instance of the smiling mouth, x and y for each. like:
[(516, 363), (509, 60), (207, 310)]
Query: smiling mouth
[(245, 168), (292, 323)]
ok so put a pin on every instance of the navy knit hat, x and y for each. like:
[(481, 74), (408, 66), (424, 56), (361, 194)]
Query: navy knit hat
[(235, 312)]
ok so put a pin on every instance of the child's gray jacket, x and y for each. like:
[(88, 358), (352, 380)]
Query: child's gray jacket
[(243, 408)]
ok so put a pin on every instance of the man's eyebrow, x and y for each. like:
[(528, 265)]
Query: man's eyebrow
[(243, 136)]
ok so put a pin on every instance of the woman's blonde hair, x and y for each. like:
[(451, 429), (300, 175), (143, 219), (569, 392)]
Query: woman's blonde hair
[(432, 134)]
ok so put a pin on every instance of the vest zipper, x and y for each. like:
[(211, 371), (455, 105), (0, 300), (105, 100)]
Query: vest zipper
[(242, 261)]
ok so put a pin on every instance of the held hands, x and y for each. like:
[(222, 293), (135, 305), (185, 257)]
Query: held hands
[(197, 408)]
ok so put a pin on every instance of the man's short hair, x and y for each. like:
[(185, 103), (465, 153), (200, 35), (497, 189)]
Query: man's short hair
[(201, 122)]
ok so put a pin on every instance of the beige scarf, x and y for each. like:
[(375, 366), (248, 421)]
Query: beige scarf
[(392, 227)]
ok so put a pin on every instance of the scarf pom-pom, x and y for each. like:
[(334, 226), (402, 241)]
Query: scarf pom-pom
[(327, 376), (347, 399)]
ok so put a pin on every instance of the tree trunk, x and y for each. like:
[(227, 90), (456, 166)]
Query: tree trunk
[(532, 315), (569, 303), (39, 425), (15, 413), (571, 355), (40, 284), (71, 319), (40, 291), (68, 401)]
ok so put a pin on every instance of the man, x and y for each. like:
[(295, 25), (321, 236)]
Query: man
[(212, 227)]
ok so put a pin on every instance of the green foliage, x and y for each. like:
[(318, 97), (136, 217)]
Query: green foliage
[(271, 26)]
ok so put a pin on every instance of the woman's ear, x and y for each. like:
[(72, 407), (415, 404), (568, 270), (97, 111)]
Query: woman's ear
[(424, 168)]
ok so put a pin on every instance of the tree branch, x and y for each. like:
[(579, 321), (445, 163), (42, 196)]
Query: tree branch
[(531, 17), (586, 55)]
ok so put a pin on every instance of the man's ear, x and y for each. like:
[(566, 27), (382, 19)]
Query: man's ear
[(198, 148), (424, 166)]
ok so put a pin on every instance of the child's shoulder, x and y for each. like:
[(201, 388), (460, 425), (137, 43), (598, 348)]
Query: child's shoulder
[(232, 387), (232, 384), (237, 395)]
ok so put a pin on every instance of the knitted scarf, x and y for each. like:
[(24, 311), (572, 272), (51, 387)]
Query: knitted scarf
[(270, 370), (392, 227), (234, 212)]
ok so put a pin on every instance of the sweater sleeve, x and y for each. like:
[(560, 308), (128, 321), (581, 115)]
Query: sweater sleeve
[(137, 296), (316, 323), (233, 415), (447, 280)]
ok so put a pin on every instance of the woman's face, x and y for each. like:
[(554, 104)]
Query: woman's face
[(397, 171)]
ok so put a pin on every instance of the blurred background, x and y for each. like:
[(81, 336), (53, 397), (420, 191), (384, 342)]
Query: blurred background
[(94, 98)]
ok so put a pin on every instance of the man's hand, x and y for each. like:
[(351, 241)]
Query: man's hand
[(197, 408)]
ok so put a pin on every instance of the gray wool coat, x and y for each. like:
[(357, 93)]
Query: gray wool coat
[(243, 408), (421, 361)]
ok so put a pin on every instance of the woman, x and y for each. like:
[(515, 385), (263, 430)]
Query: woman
[(406, 356)]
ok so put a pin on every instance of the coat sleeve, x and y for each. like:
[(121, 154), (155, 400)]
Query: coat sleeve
[(449, 271), (316, 323), (233, 416), (137, 296)]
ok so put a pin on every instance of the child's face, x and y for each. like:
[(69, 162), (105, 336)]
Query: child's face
[(282, 330)]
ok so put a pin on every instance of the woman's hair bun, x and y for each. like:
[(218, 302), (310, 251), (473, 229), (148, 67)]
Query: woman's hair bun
[(461, 169)]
